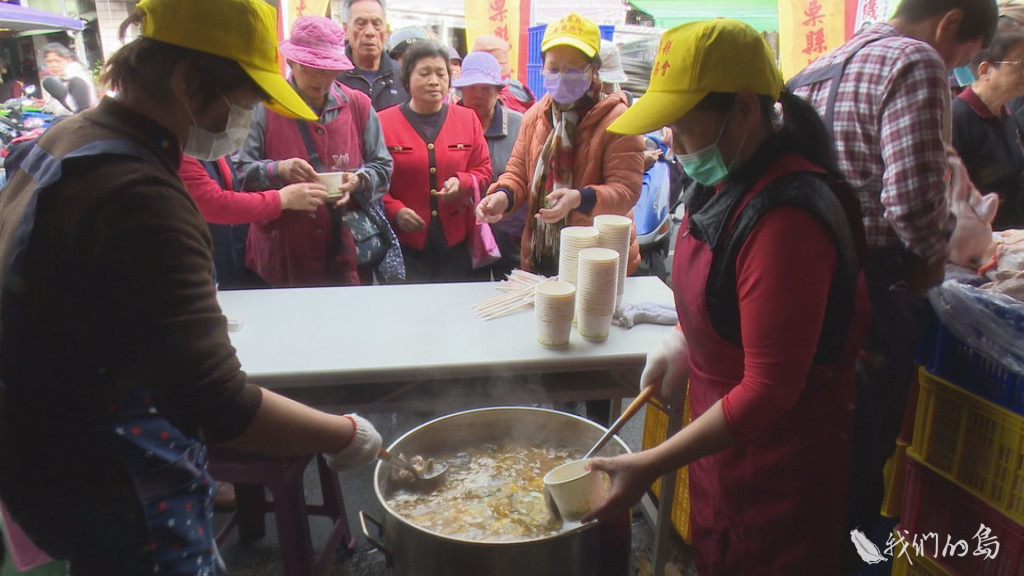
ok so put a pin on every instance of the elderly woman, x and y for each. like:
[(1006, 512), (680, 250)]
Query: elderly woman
[(566, 167), (62, 64), (985, 133), (296, 249), (117, 368), (772, 312), (440, 154), (481, 84)]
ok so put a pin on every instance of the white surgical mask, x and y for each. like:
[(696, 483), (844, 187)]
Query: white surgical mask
[(203, 144)]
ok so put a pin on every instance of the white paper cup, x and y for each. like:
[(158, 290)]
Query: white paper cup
[(594, 327), (575, 490), (554, 305), (332, 181), (572, 239), (596, 282), (615, 233)]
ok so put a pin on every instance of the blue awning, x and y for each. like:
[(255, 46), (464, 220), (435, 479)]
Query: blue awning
[(22, 18)]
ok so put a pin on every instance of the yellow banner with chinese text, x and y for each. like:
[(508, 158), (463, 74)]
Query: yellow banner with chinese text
[(292, 9), (809, 29), (503, 19)]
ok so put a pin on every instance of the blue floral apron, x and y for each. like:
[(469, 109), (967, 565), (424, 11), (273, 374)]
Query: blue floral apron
[(167, 466)]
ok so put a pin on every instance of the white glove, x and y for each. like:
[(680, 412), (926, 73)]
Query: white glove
[(668, 364), (362, 449)]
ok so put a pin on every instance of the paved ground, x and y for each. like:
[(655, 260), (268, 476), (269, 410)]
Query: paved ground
[(260, 558)]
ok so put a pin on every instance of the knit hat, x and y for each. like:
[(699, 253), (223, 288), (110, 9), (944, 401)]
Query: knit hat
[(317, 42), (490, 43)]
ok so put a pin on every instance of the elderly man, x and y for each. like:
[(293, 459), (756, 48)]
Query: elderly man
[(375, 73), (516, 95)]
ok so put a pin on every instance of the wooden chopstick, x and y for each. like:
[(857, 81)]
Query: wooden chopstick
[(518, 288)]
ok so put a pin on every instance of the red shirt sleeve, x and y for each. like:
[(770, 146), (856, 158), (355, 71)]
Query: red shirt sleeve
[(220, 206), (784, 273)]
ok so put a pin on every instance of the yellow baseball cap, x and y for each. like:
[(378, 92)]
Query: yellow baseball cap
[(694, 60), (573, 30), (244, 31)]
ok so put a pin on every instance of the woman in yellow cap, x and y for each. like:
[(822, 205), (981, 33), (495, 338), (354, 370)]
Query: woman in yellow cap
[(772, 311), (115, 365)]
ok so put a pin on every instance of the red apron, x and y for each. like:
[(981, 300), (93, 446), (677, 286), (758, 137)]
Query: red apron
[(775, 503), (297, 249)]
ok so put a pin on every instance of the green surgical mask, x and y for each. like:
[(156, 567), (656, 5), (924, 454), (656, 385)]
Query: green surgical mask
[(706, 165)]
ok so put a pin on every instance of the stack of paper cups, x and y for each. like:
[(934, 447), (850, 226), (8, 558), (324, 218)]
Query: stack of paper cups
[(614, 234), (596, 288), (572, 240), (554, 304)]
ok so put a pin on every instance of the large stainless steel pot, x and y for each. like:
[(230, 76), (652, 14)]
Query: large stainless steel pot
[(586, 550)]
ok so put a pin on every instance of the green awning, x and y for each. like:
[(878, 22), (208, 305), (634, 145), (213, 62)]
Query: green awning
[(762, 15)]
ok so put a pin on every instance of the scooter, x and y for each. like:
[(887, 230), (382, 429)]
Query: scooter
[(21, 119), (651, 213)]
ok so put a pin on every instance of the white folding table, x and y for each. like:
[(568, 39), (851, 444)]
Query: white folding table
[(414, 346)]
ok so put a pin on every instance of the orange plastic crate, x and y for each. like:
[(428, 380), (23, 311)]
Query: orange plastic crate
[(656, 432)]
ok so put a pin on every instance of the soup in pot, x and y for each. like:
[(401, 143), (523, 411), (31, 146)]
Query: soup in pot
[(489, 494)]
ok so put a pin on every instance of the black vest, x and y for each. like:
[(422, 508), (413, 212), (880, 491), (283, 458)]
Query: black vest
[(828, 199)]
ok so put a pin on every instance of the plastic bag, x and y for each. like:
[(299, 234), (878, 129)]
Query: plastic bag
[(990, 323), (483, 249)]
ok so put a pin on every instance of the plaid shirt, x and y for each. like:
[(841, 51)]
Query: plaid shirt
[(890, 113)]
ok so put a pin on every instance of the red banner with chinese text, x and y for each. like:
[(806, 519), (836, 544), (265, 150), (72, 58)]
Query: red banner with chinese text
[(808, 29), (869, 11), (507, 19)]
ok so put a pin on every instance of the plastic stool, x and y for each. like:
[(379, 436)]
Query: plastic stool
[(24, 553), (283, 477)]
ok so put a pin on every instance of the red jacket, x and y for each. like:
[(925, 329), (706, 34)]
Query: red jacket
[(220, 206), (459, 150)]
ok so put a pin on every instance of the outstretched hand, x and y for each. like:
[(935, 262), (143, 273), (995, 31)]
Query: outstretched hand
[(492, 207), (560, 203)]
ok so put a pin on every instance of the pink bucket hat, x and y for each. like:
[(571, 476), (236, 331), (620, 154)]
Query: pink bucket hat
[(317, 42)]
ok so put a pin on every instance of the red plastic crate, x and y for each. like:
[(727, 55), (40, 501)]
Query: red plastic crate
[(934, 505)]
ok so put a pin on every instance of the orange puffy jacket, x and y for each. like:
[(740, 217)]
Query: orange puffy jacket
[(611, 164)]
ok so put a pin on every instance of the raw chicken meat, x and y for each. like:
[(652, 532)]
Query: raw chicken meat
[(1005, 265)]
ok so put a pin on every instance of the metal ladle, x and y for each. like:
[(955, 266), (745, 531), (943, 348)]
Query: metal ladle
[(628, 413), (437, 469)]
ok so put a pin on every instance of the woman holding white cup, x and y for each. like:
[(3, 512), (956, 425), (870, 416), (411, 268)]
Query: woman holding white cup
[(295, 249)]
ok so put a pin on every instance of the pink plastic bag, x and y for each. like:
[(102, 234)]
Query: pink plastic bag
[(483, 249), (24, 553)]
